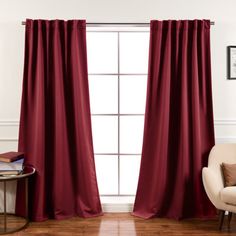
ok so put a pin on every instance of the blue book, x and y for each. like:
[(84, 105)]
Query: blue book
[(16, 165)]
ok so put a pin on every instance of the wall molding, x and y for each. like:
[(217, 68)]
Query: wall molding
[(9, 123), (226, 139), (225, 122), (8, 139), (217, 122)]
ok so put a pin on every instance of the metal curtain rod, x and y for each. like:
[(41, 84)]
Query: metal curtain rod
[(90, 24)]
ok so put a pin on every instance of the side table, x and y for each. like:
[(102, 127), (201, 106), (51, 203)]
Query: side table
[(26, 173)]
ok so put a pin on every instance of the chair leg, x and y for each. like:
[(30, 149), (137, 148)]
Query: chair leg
[(229, 219), (221, 218)]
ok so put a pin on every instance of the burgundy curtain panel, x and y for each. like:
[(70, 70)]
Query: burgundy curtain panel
[(55, 124), (178, 130)]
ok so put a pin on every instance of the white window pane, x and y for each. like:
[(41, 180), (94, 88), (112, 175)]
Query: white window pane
[(134, 52), (103, 91), (133, 94), (102, 51), (107, 174), (104, 130), (129, 173), (131, 134)]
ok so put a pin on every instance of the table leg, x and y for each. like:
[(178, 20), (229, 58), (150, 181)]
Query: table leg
[(26, 199), (5, 206)]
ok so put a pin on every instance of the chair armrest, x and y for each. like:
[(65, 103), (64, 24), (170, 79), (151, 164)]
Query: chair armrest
[(213, 184)]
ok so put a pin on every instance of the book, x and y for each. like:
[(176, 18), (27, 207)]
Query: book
[(16, 165), (9, 172), (11, 156)]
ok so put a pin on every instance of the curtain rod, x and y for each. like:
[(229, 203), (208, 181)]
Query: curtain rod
[(117, 24)]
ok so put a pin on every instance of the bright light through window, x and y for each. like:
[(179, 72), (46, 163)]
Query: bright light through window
[(117, 63)]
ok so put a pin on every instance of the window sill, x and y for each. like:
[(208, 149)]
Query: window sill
[(117, 204)]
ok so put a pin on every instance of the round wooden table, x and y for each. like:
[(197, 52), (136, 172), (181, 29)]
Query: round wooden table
[(26, 173)]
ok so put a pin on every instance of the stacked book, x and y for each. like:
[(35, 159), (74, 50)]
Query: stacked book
[(11, 163)]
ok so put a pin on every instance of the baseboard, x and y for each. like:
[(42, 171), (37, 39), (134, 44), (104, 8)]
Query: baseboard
[(117, 207)]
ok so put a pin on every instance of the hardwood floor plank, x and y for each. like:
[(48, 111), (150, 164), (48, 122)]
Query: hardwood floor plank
[(124, 225)]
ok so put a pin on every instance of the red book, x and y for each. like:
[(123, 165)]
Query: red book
[(11, 156)]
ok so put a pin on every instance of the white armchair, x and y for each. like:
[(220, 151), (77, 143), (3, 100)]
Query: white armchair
[(223, 198)]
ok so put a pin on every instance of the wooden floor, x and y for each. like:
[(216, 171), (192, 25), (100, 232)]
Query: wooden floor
[(125, 225)]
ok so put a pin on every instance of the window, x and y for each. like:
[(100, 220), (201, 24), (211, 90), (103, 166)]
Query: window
[(117, 64)]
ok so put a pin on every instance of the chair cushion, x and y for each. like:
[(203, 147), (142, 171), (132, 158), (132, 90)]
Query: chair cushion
[(229, 172), (228, 195)]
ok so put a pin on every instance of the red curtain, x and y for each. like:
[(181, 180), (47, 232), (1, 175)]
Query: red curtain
[(179, 130), (55, 124)]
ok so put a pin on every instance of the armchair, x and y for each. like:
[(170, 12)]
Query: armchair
[(223, 198)]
